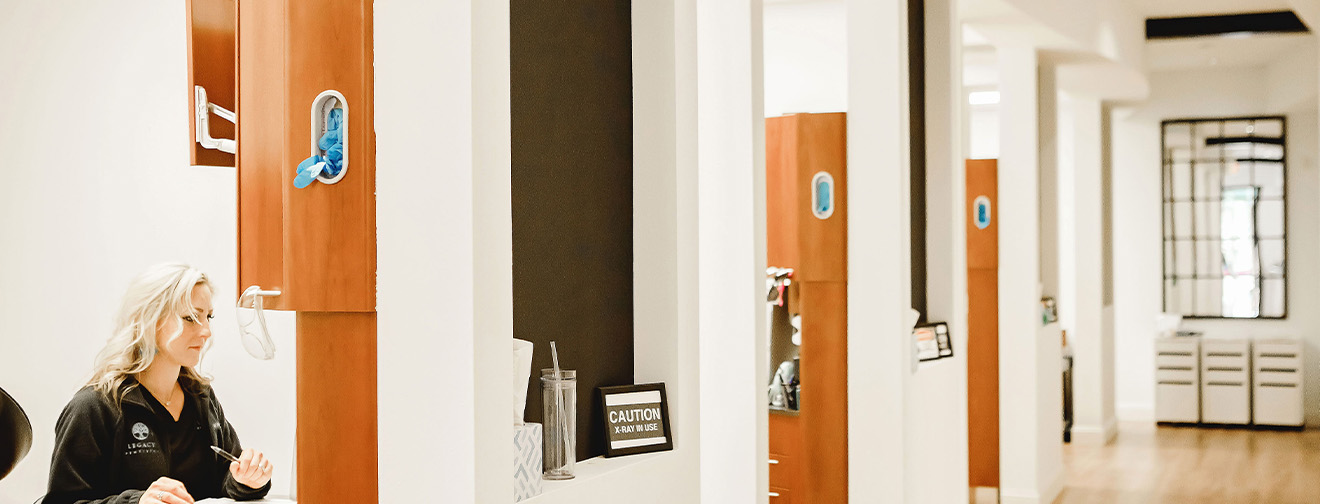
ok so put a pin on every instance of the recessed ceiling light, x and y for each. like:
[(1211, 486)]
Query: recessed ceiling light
[(983, 97)]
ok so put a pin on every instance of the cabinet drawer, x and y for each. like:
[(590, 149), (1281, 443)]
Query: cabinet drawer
[(1186, 361), (1231, 374), (1177, 347), (1278, 405), (784, 471), (1240, 347), (1277, 349), (1224, 361), (1277, 377), (781, 495), (1166, 374), (1226, 404), (1264, 362), (1177, 402), (785, 435)]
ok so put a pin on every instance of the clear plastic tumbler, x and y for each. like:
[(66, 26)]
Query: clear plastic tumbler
[(559, 399)]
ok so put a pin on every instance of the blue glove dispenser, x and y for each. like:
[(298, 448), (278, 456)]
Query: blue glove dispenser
[(328, 162)]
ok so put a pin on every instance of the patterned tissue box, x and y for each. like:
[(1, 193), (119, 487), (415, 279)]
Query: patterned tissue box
[(526, 461)]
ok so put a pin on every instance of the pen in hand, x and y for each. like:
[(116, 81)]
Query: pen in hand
[(224, 453)]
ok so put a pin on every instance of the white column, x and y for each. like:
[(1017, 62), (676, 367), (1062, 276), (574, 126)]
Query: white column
[(878, 272), (1093, 346), (937, 400), (1030, 383), (444, 249), (731, 263)]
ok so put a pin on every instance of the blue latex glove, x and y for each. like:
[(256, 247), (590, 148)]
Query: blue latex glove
[(332, 142), (308, 170)]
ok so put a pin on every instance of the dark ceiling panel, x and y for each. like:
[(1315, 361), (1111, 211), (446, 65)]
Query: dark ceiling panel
[(1204, 26)]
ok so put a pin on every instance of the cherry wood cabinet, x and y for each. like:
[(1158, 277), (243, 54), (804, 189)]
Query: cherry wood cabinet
[(212, 35), (317, 245), (809, 450), (269, 60), (983, 325)]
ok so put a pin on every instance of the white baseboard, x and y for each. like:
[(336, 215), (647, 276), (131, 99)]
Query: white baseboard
[(985, 495), (1055, 488), (1052, 492), (1095, 434), (1135, 412)]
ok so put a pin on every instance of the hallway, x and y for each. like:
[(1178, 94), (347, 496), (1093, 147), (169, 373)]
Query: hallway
[(1177, 465)]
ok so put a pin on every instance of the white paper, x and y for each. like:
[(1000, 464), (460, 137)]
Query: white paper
[(522, 371), (268, 500)]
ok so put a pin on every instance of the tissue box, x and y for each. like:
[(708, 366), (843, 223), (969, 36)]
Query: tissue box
[(526, 461)]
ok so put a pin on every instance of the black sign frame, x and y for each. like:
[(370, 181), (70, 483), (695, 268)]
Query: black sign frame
[(605, 392)]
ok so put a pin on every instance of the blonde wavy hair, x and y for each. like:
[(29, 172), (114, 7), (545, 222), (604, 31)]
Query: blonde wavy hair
[(163, 291)]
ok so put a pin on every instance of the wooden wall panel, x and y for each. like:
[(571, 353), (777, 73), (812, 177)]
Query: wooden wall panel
[(982, 245), (262, 177), (786, 451), (815, 442), (781, 189), (822, 146), (212, 47), (337, 436), (824, 372), (330, 230), (572, 188), (317, 245), (983, 329)]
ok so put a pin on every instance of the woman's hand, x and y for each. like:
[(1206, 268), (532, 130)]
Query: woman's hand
[(166, 491), (252, 469)]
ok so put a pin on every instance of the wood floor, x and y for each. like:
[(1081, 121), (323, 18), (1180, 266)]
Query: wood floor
[(1176, 465)]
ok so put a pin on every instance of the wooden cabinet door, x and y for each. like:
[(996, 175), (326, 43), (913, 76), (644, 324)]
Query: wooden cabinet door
[(212, 47), (317, 245)]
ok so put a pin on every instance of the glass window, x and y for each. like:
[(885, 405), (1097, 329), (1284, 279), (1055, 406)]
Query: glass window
[(1225, 188)]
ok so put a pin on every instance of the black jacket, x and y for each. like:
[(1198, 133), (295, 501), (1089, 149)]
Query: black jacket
[(109, 455)]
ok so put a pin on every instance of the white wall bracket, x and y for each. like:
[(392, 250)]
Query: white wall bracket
[(325, 102), (204, 108)]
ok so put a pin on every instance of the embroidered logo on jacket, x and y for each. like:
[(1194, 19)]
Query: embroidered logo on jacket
[(140, 431)]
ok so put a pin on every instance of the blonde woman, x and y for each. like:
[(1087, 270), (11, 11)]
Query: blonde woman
[(141, 431)]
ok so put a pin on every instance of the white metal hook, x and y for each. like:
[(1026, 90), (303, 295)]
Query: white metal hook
[(204, 110)]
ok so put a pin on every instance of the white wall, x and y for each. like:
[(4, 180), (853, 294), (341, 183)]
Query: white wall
[(1029, 354), (983, 132), (879, 337), (96, 188), (806, 64), (1212, 92), (685, 135)]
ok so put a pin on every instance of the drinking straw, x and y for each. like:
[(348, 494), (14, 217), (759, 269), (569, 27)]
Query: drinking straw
[(559, 403)]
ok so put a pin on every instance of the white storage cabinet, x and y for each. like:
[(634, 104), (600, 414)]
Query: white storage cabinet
[(1226, 381), (1278, 397), (1178, 380)]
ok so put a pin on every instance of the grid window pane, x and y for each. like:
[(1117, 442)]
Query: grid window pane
[(1273, 290), (1271, 258), (1268, 128), (1269, 219), (1208, 181), (1182, 181), (1208, 297), (1269, 176), (1237, 174), (1224, 249), (1183, 258), (1182, 219)]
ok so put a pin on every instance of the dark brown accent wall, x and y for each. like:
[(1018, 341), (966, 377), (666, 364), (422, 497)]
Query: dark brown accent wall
[(571, 102), (917, 152)]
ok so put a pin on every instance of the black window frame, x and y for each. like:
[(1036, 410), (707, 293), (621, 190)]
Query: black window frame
[(1168, 214)]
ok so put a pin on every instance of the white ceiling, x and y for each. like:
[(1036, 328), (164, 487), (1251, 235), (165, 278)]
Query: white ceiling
[(1179, 8), (1228, 51)]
